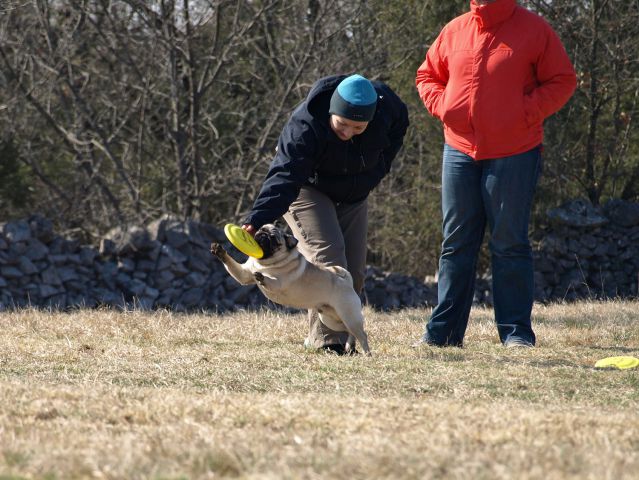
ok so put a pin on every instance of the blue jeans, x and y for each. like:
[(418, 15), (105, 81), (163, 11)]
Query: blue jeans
[(499, 193)]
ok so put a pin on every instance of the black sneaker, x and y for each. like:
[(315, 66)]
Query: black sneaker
[(338, 349)]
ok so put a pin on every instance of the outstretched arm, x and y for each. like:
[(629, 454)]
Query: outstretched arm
[(290, 169)]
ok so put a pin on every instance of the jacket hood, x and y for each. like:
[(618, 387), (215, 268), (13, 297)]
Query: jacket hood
[(492, 14), (318, 99)]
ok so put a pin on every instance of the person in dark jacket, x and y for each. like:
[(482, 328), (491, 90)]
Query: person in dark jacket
[(334, 150)]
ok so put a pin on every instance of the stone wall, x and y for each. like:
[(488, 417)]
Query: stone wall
[(589, 252), (166, 264), (585, 252)]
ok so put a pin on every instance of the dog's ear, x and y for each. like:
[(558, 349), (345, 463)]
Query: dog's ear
[(290, 240)]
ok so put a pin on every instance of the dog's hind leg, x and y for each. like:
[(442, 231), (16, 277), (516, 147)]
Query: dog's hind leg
[(351, 315), (357, 330)]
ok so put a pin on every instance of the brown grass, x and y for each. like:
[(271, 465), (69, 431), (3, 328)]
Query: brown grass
[(140, 395)]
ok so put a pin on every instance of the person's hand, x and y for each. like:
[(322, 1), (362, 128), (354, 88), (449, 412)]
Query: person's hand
[(250, 229)]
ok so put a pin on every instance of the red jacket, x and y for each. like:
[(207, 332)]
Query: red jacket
[(492, 76)]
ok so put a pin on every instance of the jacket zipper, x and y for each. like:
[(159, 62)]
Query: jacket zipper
[(362, 164)]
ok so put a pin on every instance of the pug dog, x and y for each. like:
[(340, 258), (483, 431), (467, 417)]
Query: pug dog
[(285, 276)]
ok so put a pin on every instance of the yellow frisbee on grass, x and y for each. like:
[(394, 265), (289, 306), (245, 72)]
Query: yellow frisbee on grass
[(243, 241), (619, 363)]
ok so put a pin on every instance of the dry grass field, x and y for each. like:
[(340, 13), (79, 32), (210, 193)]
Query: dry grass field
[(139, 395)]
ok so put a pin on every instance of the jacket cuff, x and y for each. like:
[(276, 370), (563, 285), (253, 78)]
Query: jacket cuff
[(252, 220)]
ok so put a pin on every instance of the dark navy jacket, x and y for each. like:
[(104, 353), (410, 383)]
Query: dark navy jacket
[(309, 153)]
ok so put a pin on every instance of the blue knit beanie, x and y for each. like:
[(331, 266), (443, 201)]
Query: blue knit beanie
[(354, 98)]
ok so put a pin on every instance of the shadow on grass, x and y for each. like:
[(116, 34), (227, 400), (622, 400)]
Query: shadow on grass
[(616, 349)]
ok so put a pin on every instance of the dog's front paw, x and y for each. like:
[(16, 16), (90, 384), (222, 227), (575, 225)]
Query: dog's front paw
[(218, 250), (259, 278)]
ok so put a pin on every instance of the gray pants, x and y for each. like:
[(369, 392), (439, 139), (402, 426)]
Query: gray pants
[(330, 234)]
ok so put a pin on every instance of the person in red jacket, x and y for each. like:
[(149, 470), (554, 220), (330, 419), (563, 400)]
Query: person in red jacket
[(492, 76)]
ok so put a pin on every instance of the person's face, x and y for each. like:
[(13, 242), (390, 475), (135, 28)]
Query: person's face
[(346, 129)]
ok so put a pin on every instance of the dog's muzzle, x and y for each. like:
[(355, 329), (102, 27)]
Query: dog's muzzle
[(268, 242)]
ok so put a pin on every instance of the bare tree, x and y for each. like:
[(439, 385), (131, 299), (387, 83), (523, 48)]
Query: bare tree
[(597, 134), (150, 106)]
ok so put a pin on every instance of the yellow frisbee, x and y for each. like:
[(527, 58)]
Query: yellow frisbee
[(243, 241), (620, 363)]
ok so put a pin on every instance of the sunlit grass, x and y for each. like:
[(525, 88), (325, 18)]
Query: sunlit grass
[(105, 394)]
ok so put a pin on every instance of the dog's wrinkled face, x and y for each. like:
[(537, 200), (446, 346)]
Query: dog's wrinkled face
[(272, 240)]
